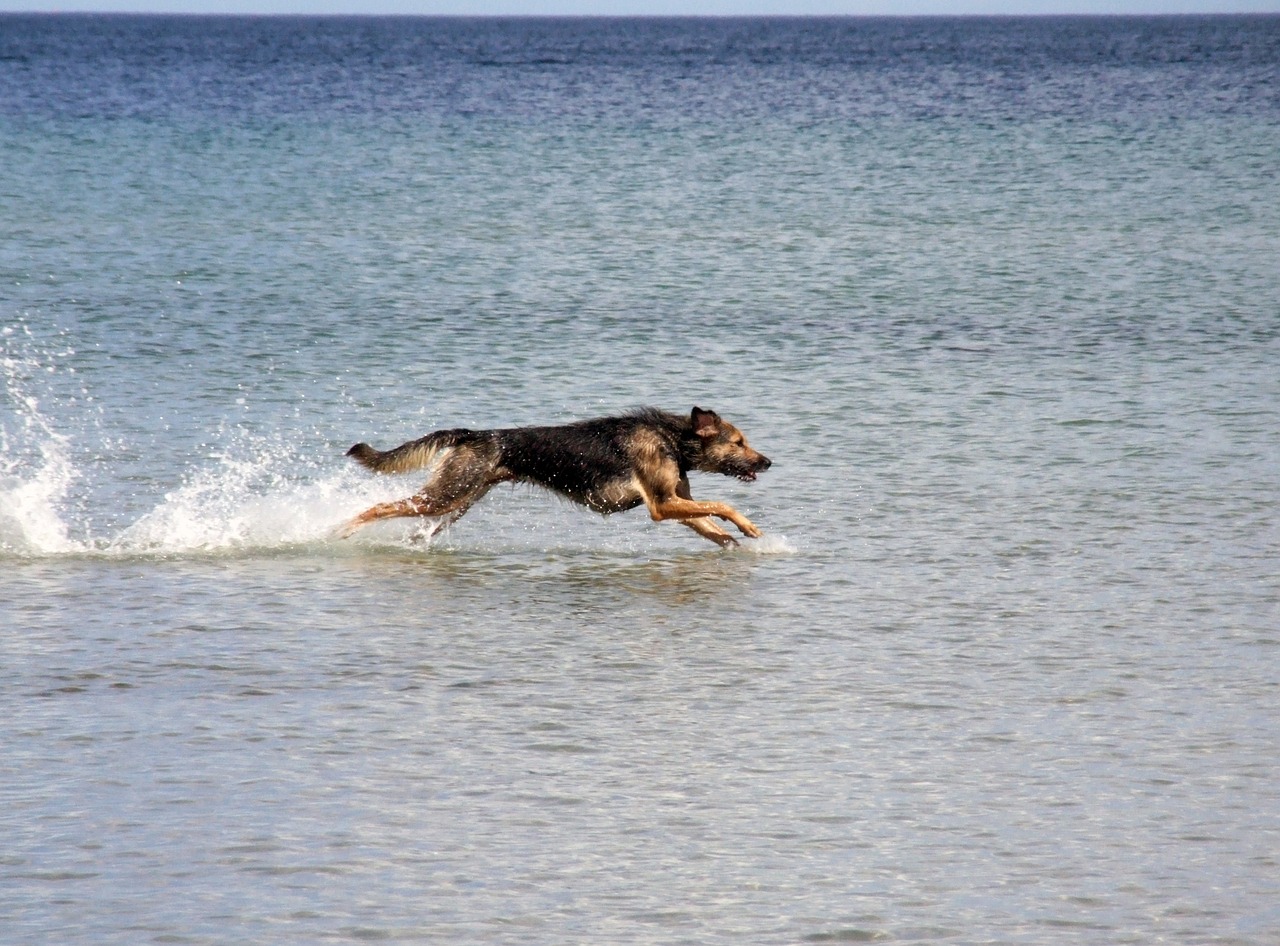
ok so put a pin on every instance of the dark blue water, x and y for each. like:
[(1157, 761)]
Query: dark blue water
[(999, 298), (648, 72)]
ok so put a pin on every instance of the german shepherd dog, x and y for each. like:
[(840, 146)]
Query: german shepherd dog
[(609, 464)]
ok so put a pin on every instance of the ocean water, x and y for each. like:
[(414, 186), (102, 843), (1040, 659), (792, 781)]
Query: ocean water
[(1001, 300)]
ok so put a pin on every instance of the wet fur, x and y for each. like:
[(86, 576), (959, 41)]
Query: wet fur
[(608, 464)]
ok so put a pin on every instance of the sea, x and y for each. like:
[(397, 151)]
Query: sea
[(999, 297)]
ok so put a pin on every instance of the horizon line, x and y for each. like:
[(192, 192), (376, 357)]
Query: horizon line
[(641, 16)]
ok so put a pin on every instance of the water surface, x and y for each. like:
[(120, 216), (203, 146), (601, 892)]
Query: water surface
[(998, 297)]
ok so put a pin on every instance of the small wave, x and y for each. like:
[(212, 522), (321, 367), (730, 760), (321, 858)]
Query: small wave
[(769, 544)]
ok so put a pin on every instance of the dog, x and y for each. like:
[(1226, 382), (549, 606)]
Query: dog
[(609, 464)]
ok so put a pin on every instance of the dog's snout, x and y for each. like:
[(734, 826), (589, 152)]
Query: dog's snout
[(764, 462)]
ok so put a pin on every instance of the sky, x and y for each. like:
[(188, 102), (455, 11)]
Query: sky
[(648, 7)]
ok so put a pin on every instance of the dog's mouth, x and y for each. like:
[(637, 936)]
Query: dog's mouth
[(747, 477)]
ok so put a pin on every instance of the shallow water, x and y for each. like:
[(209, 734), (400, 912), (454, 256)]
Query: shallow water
[(997, 297)]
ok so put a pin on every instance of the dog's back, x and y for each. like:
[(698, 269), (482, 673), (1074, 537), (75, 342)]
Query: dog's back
[(593, 462)]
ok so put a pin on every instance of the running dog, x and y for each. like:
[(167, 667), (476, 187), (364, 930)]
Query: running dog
[(609, 464)]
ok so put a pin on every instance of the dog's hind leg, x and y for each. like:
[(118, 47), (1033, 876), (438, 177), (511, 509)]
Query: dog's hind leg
[(420, 504), (443, 522), (450, 493)]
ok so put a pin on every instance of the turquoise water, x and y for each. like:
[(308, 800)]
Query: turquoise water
[(999, 299)]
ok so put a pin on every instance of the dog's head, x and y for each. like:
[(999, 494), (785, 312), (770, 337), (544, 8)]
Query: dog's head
[(723, 449)]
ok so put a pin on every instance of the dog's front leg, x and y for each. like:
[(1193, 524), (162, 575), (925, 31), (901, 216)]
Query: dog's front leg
[(675, 507), (745, 525), (705, 526)]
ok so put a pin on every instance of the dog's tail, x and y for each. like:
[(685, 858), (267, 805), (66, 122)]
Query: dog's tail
[(405, 458)]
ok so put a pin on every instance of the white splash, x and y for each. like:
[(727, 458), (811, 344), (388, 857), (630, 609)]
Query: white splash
[(36, 472), (259, 493), (29, 501), (769, 544), (242, 504)]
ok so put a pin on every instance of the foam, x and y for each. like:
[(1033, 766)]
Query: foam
[(768, 544)]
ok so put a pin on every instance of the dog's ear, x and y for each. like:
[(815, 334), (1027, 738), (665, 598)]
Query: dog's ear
[(705, 423)]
